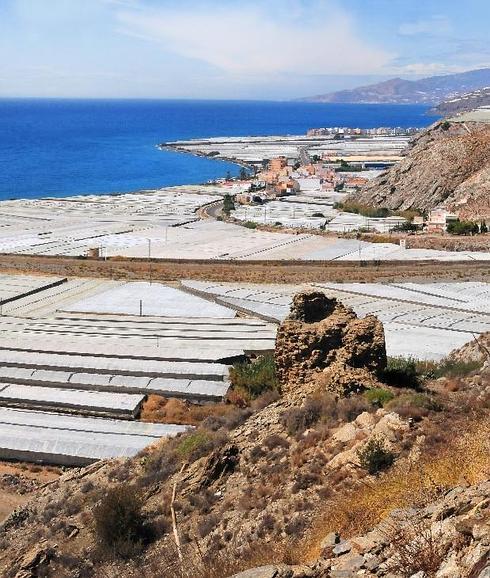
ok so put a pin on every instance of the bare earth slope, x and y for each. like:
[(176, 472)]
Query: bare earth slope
[(448, 165)]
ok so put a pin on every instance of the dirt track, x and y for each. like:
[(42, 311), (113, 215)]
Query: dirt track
[(247, 271)]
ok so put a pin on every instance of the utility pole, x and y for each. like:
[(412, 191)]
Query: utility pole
[(149, 260)]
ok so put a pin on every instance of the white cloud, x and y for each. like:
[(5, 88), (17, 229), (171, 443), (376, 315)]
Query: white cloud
[(252, 40)]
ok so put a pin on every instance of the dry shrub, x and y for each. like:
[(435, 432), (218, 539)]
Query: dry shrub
[(161, 410), (203, 501), (265, 399), (414, 547), (275, 441), (119, 525), (295, 527), (256, 453), (323, 411), (207, 524), (304, 480), (349, 408), (267, 525), (225, 561), (464, 459)]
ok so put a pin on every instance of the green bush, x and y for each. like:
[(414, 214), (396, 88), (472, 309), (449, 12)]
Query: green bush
[(414, 400), (119, 524), (255, 378), (228, 204), (364, 210), (410, 372), (375, 457), (250, 225), (451, 368), (402, 372), (192, 443), (199, 443), (405, 227), (463, 228), (378, 396)]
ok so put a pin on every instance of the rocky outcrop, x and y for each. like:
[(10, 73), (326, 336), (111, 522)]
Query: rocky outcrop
[(449, 538), (476, 350), (36, 560), (447, 165), (324, 344)]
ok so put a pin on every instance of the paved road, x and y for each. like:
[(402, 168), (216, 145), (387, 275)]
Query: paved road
[(211, 211), (304, 156)]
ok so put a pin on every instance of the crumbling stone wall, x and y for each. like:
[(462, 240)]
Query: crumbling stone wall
[(324, 344)]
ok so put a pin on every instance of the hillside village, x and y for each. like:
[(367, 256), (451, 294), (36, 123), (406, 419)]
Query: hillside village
[(318, 185)]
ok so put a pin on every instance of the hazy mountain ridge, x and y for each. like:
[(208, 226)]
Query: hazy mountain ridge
[(431, 90)]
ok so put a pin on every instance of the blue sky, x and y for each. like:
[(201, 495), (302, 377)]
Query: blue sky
[(263, 49)]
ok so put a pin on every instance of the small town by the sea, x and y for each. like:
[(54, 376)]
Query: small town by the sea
[(244, 332)]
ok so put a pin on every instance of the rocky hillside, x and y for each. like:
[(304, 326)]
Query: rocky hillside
[(446, 165), (388, 478), (464, 103), (448, 538), (431, 90)]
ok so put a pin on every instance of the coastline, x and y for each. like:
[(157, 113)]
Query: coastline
[(111, 146)]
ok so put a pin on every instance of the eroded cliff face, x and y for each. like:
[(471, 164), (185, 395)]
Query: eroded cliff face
[(447, 165), (324, 345)]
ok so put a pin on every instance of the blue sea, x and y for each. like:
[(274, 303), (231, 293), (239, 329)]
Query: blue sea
[(65, 147)]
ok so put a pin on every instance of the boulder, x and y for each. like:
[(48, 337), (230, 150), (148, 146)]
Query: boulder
[(35, 560)]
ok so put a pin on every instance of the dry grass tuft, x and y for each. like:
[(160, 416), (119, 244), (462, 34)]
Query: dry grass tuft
[(415, 547), (227, 560)]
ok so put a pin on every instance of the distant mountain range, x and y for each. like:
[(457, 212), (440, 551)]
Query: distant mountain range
[(464, 103), (432, 90)]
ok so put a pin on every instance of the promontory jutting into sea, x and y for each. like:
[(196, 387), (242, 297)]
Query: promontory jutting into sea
[(244, 337)]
